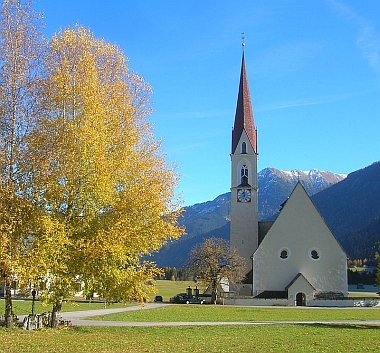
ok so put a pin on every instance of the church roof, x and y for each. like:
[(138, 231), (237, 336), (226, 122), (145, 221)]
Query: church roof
[(244, 120), (263, 228)]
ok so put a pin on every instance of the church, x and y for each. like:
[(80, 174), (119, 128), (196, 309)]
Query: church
[(295, 260)]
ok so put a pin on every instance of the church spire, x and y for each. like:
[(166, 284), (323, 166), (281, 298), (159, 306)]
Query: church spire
[(244, 120)]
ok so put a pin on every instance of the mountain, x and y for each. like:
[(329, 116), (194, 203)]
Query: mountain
[(211, 218), (351, 208), (276, 185), (202, 220), (207, 216)]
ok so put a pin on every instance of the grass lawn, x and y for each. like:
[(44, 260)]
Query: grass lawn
[(215, 313), (24, 307), (257, 338), (165, 288), (210, 339), (363, 294), (168, 289)]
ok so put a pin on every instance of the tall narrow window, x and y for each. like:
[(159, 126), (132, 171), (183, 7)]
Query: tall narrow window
[(243, 148), (244, 175)]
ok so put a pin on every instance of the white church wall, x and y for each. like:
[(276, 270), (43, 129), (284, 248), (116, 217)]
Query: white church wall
[(299, 230), (331, 303), (250, 301), (300, 285), (244, 215)]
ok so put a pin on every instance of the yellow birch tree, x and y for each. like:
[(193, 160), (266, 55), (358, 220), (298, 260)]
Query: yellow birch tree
[(101, 175), (21, 48)]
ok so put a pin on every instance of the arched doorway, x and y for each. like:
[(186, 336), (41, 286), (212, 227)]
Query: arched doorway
[(300, 299)]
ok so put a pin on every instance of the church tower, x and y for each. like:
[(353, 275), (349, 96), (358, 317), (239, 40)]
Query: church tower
[(244, 191)]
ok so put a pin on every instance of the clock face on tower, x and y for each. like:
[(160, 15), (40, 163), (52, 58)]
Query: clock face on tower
[(244, 195)]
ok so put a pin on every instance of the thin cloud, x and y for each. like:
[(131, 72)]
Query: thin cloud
[(368, 39), (194, 114), (287, 58), (306, 102)]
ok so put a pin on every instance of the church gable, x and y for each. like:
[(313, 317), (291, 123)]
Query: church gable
[(300, 222), (299, 241), (299, 283)]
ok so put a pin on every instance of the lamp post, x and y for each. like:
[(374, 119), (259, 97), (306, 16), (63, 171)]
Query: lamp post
[(33, 299)]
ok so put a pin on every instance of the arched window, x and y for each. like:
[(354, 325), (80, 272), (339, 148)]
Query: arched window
[(284, 253), (314, 253), (244, 175), (243, 148)]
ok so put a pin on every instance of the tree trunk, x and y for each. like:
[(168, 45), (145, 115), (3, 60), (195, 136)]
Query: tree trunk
[(54, 321), (8, 303), (214, 289), (213, 297)]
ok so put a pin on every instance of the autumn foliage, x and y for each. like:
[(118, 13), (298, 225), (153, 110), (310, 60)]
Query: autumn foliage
[(213, 262), (86, 191)]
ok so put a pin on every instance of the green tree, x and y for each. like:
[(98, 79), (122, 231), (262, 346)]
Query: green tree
[(21, 50), (214, 261), (99, 173)]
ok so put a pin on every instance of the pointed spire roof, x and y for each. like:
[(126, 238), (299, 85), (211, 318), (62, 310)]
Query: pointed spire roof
[(244, 120)]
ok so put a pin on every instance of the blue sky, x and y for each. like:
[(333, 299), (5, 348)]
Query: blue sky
[(313, 69)]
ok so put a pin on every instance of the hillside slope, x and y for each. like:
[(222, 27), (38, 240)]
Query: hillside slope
[(351, 208), (211, 218)]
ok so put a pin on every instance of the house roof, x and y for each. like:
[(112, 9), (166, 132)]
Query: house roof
[(273, 294), (299, 275), (244, 120)]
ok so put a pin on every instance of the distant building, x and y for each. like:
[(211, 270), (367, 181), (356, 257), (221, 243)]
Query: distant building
[(296, 259)]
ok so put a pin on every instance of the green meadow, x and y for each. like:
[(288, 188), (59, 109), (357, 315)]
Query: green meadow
[(258, 338), (217, 313), (230, 338), (165, 288), (24, 307), (169, 288)]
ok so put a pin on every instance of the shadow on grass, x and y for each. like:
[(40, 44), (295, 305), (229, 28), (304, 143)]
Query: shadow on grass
[(344, 326)]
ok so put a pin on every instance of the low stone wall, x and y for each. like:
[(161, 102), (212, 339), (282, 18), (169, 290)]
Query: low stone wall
[(341, 303), (251, 301)]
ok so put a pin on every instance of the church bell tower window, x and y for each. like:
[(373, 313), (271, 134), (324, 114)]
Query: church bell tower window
[(244, 148), (244, 175)]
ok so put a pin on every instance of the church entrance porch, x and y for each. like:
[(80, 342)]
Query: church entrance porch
[(300, 299)]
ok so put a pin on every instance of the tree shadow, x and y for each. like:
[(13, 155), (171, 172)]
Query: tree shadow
[(345, 326)]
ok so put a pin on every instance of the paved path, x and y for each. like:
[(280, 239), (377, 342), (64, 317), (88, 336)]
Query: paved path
[(77, 318)]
